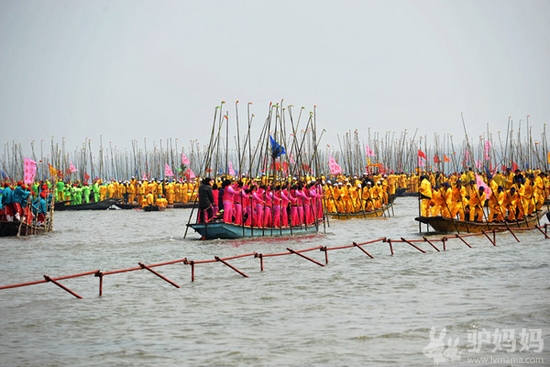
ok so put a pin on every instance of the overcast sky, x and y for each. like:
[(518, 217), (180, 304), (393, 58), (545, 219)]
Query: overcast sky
[(135, 70)]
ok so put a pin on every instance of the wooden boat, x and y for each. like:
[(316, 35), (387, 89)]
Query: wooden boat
[(122, 205), (448, 225), (187, 205), (153, 208), (97, 205), (377, 213), (213, 230), (20, 228)]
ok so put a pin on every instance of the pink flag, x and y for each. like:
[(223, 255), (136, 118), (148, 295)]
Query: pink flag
[(231, 171), (185, 160), (144, 177), (72, 169), (481, 183), (334, 167), (421, 161), (486, 150), (369, 151), (30, 170), (168, 171)]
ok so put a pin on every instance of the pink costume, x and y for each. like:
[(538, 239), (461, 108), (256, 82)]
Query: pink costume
[(258, 205), (237, 206), (277, 215), (215, 194), (316, 201), (304, 210), (285, 200), (228, 198), (248, 208), (268, 208), (294, 214)]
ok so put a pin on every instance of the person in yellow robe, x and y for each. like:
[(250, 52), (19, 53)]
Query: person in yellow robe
[(425, 191), (512, 203), (442, 199), (338, 200), (170, 193), (131, 191), (161, 202), (458, 200), (368, 204), (328, 198), (102, 192), (476, 204), (149, 200)]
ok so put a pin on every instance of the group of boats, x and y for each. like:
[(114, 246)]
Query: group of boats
[(219, 229), (279, 154)]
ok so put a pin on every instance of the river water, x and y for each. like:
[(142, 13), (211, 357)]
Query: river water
[(493, 301)]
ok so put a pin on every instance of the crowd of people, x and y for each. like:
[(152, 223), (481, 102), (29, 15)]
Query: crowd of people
[(140, 192), (262, 202), (259, 204), (507, 196), (26, 203)]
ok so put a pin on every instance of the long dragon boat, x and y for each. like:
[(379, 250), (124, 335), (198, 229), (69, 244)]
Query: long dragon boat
[(450, 225), (376, 213), (222, 230), (96, 205)]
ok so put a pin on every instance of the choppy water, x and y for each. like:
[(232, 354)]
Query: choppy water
[(355, 311)]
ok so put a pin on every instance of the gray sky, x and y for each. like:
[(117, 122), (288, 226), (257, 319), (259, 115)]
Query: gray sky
[(129, 70)]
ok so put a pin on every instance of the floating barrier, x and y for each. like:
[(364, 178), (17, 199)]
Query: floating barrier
[(225, 261)]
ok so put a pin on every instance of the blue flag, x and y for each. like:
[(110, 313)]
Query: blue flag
[(276, 149)]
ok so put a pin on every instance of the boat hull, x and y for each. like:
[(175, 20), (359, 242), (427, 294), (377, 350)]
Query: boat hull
[(378, 213), (448, 225), (98, 205), (232, 231), (17, 228), (153, 208)]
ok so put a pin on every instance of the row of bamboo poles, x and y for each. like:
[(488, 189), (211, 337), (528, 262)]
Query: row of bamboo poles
[(245, 148)]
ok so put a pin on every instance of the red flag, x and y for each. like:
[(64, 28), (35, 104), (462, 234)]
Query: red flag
[(514, 166), (445, 158), (436, 159), (190, 174), (421, 154)]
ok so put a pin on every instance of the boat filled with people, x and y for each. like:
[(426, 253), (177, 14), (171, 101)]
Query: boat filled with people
[(25, 209)]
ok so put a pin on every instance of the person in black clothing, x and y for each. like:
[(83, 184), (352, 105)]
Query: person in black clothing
[(206, 200)]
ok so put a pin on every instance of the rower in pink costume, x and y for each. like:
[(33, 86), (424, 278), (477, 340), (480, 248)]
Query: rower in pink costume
[(294, 203), (268, 207), (237, 203), (258, 205), (277, 201)]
